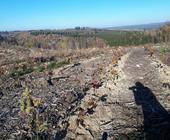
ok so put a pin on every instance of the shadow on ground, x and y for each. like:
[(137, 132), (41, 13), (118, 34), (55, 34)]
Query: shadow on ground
[(156, 119)]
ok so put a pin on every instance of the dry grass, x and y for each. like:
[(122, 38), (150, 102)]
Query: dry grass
[(149, 49), (72, 55), (118, 53), (114, 72)]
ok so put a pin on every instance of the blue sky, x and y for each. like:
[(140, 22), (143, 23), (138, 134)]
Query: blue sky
[(53, 14)]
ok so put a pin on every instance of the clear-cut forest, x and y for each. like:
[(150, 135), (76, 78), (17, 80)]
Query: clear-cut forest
[(85, 84)]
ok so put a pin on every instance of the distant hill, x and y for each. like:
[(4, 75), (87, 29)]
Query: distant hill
[(151, 26)]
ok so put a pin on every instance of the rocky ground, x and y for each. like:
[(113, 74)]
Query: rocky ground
[(94, 98)]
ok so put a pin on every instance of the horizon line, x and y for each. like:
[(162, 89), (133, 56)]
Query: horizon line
[(90, 27)]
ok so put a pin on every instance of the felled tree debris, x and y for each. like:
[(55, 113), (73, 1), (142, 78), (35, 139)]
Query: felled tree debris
[(166, 85), (1, 93)]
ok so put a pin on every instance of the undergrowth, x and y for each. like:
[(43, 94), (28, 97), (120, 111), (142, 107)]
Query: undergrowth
[(21, 71), (33, 111)]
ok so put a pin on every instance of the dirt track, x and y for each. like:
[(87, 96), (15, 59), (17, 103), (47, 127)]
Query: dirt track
[(132, 102)]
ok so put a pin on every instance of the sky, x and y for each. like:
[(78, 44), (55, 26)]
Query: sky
[(57, 14)]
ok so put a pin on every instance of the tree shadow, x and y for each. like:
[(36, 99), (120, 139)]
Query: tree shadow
[(156, 118)]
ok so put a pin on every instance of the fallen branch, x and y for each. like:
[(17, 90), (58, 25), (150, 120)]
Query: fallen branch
[(59, 77)]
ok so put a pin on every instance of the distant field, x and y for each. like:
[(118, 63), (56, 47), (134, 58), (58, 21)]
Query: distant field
[(124, 38)]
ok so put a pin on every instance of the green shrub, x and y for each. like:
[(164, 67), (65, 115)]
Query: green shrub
[(40, 68), (20, 72), (164, 50), (53, 65)]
